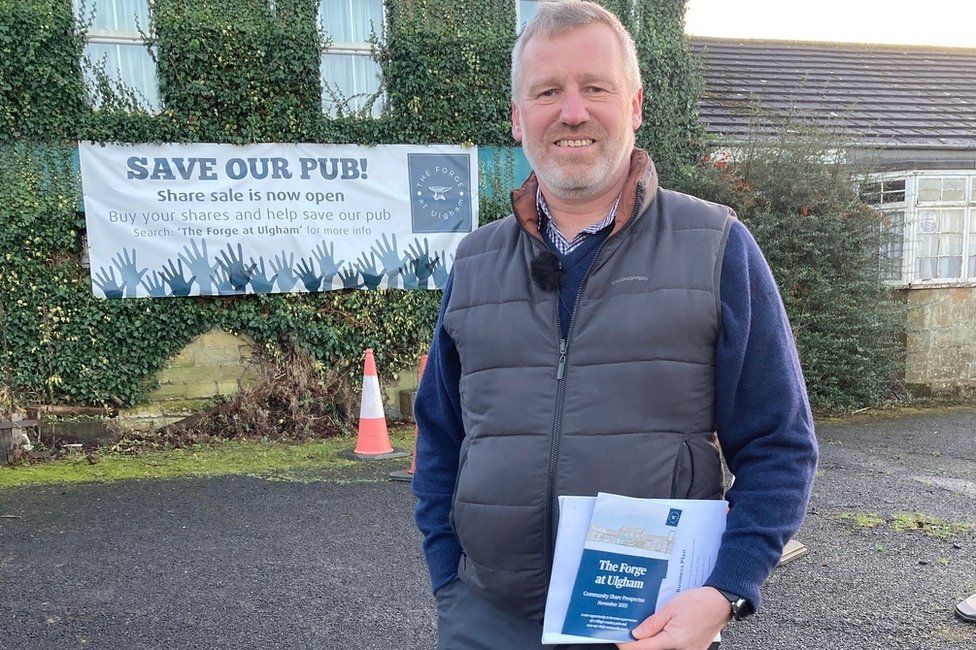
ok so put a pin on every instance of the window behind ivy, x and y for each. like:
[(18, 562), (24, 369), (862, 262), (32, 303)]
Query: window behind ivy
[(350, 76), (893, 245), (115, 46)]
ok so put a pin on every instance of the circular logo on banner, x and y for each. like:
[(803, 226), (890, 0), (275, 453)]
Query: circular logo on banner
[(440, 193), (928, 221)]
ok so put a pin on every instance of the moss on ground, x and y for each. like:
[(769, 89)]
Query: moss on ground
[(908, 521), (312, 461), (863, 519), (931, 526)]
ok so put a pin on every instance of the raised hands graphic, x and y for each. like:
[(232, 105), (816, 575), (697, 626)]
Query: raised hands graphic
[(231, 274), (105, 280), (386, 251), (441, 271), (198, 262), (221, 278), (154, 285), (306, 270), (178, 284), (260, 282), (283, 266), (325, 255), (371, 275), (423, 264), (409, 271), (350, 278), (129, 271), (233, 266)]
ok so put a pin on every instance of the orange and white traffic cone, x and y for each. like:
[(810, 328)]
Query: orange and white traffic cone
[(407, 475), (373, 442)]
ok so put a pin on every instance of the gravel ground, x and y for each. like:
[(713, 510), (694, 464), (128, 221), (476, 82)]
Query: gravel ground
[(246, 563)]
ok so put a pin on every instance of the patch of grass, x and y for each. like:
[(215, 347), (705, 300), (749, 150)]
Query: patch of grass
[(931, 526), (286, 461), (863, 519), (908, 521)]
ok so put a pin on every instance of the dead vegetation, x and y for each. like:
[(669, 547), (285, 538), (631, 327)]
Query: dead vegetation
[(295, 399)]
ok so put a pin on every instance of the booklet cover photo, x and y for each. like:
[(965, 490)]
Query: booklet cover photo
[(619, 558)]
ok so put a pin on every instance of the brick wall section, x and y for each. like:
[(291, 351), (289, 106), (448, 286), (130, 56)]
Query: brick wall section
[(941, 340), (215, 363)]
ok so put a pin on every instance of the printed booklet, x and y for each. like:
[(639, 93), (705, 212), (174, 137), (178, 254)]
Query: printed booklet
[(619, 558)]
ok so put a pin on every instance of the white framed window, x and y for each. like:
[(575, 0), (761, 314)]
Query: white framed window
[(939, 241), (941, 189), (525, 10), (350, 77), (893, 245), (971, 240), (888, 195), (114, 44), (928, 226), (883, 191)]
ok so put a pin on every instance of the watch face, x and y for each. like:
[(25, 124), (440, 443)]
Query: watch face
[(740, 608)]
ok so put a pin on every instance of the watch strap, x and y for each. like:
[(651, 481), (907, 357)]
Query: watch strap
[(740, 607)]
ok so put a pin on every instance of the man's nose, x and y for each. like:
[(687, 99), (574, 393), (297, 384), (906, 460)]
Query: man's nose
[(573, 108)]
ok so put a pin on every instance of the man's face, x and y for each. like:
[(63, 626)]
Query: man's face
[(574, 112)]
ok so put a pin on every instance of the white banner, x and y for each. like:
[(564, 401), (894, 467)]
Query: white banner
[(217, 219)]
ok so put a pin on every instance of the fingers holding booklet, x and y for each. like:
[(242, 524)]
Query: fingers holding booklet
[(692, 619), (618, 560)]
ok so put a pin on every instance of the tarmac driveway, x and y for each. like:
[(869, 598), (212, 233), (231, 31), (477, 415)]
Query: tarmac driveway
[(248, 563)]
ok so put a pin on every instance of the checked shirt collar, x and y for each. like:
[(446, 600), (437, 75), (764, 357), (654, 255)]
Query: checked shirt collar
[(547, 225)]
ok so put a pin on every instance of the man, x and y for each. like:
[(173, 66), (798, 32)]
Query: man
[(596, 340)]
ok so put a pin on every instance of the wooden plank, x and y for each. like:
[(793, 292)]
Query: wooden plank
[(57, 409), (794, 550), (20, 424)]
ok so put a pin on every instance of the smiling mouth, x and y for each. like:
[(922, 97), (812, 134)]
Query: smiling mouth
[(574, 143)]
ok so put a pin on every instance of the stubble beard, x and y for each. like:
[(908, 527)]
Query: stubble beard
[(578, 182)]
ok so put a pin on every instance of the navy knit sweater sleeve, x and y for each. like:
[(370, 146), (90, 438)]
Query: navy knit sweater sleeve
[(762, 417), (763, 420), (437, 409)]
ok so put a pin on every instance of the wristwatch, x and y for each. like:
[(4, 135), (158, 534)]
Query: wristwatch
[(741, 607)]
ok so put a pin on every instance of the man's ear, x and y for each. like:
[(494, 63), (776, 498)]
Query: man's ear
[(637, 109), (516, 123)]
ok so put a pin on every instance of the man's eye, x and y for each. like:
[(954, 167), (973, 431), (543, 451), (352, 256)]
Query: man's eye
[(597, 89), (549, 92)]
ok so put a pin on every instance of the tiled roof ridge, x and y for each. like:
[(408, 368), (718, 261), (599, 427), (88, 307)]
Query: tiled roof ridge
[(831, 46), (900, 96)]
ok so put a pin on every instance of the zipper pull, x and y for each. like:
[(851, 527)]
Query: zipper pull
[(562, 360)]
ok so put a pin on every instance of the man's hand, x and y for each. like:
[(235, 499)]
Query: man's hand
[(689, 621)]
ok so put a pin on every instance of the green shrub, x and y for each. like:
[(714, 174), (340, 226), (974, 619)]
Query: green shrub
[(797, 196)]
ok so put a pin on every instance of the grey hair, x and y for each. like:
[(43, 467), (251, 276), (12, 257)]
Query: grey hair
[(555, 17)]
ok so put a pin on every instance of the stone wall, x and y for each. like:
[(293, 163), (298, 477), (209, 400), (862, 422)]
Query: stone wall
[(941, 340), (215, 363), (398, 395), (212, 364), (220, 363)]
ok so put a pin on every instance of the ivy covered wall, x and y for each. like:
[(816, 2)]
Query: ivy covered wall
[(244, 71), (234, 71)]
